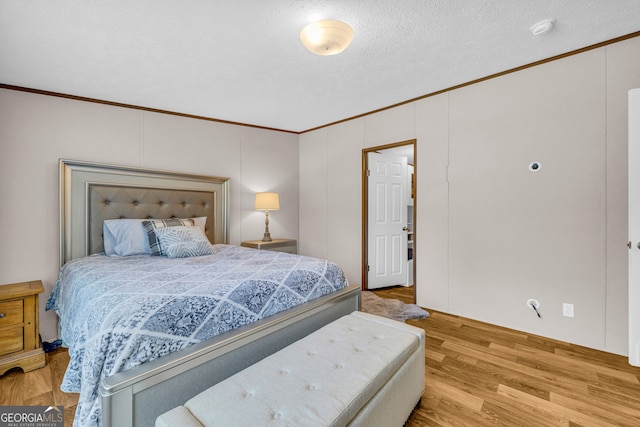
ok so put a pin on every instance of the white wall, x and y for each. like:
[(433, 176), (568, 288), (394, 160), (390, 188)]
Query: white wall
[(314, 208), (318, 176), (330, 205), (516, 234), (431, 246), (37, 130), (489, 233)]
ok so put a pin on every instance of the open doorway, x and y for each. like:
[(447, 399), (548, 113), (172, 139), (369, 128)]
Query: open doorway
[(389, 215)]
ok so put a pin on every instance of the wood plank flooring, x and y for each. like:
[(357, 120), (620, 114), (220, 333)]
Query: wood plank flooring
[(40, 387), (476, 375), (479, 375)]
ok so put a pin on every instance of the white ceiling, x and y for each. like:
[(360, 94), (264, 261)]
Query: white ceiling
[(242, 61)]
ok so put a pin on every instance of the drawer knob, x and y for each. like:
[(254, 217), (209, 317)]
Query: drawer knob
[(2, 315)]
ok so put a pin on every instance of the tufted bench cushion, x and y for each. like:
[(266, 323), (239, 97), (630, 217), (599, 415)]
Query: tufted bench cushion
[(360, 369)]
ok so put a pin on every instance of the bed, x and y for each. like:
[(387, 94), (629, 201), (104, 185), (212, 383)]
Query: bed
[(147, 332)]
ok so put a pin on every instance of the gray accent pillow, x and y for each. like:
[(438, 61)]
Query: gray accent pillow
[(152, 225), (183, 242)]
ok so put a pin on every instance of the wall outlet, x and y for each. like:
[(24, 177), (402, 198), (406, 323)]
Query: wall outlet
[(567, 309)]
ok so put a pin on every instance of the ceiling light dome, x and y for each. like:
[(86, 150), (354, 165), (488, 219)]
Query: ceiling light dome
[(542, 27), (326, 37)]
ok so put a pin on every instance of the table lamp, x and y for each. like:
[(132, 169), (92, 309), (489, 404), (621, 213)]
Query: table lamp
[(267, 202)]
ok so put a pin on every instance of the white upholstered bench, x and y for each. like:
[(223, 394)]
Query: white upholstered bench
[(358, 370)]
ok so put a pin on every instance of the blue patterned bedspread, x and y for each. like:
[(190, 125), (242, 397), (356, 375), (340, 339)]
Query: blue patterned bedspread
[(117, 313)]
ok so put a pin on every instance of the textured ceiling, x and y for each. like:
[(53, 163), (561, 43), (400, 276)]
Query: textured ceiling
[(242, 61)]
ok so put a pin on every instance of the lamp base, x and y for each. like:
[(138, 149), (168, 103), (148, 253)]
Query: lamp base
[(267, 235)]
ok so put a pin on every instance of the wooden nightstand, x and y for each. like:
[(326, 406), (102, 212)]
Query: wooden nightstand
[(278, 245), (20, 344)]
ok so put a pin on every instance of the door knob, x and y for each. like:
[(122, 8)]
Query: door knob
[(405, 228)]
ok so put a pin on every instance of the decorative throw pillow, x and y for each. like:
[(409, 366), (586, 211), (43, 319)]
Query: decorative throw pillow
[(151, 226), (182, 242)]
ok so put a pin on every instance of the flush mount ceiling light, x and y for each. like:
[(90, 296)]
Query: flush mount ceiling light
[(542, 27), (326, 37)]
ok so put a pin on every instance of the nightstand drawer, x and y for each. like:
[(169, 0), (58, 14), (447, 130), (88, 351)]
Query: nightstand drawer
[(290, 249), (11, 313), (11, 340)]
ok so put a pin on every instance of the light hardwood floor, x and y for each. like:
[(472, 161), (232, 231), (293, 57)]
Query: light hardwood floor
[(476, 375), (40, 387), (479, 374)]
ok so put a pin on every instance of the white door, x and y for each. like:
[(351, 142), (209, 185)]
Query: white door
[(387, 220), (634, 227)]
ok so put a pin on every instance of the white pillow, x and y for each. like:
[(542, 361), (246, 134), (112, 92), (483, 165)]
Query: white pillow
[(200, 221), (124, 237), (183, 241)]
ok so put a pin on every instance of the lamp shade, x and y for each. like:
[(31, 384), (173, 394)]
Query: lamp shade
[(326, 37), (267, 202)]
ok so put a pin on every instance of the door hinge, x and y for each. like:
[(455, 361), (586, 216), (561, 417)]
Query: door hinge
[(368, 172), (368, 268)]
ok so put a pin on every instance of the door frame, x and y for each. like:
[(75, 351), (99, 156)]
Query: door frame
[(365, 206), (634, 228)]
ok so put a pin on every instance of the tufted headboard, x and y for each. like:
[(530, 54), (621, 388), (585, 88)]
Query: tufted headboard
[(91, 193)]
